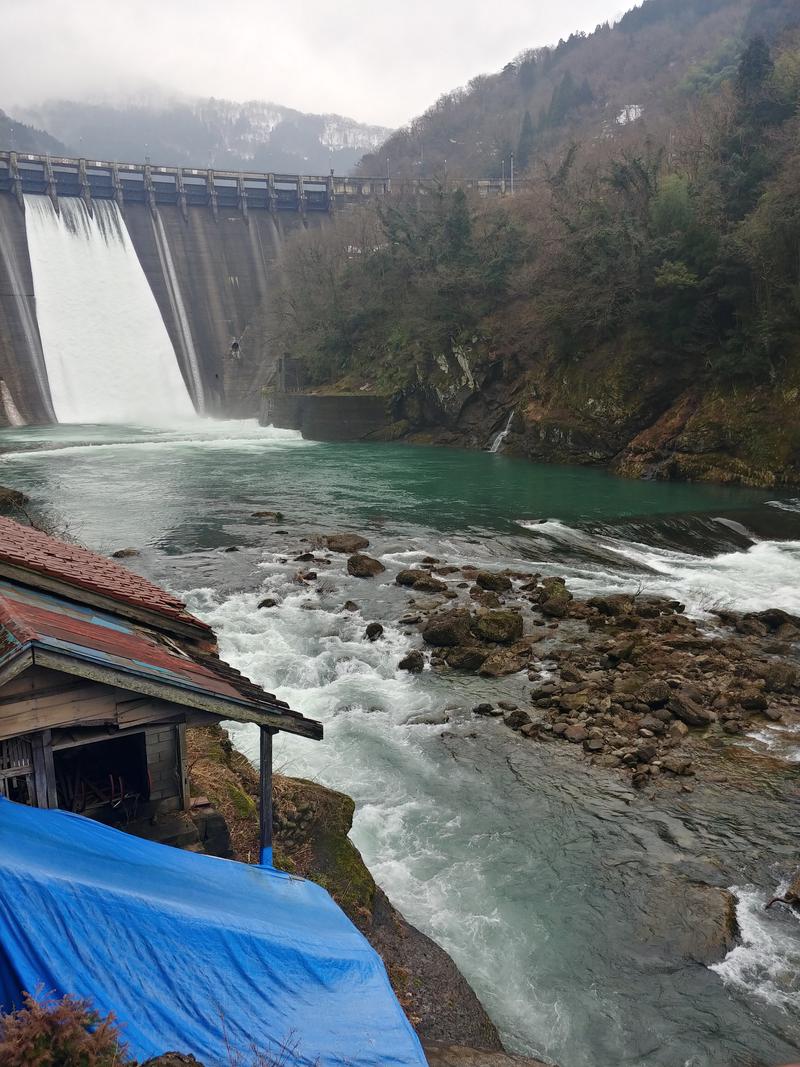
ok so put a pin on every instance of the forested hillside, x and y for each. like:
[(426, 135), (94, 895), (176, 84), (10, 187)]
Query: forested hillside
[(584, 87), (637, 304), (18, 137)]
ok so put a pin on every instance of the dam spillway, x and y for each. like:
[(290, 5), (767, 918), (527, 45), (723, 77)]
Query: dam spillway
[(108, 355)]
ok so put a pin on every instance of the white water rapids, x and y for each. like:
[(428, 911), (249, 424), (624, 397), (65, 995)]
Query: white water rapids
[(545, 879), (108, 354)]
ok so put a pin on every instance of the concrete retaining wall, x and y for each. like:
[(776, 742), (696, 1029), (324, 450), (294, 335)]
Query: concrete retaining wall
[(327, 418)]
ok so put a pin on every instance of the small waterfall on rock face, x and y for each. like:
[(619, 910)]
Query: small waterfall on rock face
[(108, 354), (499, 440)]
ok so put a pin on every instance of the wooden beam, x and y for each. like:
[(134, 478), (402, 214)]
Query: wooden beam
[(265, 797), (226, 709)]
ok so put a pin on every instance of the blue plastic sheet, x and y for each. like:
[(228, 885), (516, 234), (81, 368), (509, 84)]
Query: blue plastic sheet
[(192, 953)]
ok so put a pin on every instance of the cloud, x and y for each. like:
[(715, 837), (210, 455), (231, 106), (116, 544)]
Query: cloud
[(381, 63)]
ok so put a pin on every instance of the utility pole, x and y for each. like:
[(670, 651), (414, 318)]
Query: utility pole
[(512, 173), (503, 179)]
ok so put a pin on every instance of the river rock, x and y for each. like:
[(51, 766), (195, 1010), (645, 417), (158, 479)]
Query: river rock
[(448, 629), (684, 708), (268, 602), (12, 499), (613, 604), (361, 566), (441, 1055), (466, 658), (676, 764), (505, 661), (493, 582), (515, 720), (373, 631), (414, 662), (499, 626), (421, 581), (576, 733), (753, 700), (125, 553), (486, 709), (554, 597), (655, 694), (346, 543)]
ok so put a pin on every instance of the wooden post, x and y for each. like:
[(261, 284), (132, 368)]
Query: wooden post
[(265, 803)]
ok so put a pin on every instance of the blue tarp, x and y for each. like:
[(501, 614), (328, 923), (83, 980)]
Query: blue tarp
[(192, 953)]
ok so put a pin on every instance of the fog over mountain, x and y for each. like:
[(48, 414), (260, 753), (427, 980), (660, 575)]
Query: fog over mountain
[(255, 135)]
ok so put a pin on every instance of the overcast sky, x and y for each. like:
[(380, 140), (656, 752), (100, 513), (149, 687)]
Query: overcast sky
[(373, 60)]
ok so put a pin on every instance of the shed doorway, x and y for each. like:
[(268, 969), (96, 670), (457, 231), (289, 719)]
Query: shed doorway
[(106, 780)]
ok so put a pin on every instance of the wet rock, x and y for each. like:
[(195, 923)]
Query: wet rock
[(684, 708), (652, 724), (414, 662), (515, 720), (613, 604), (655, 694), (505, 661), (780, 678), (346, 543), (373, 631), (486, 709), (173, 1059), (506, 705), (466, 659), (231, 548), (361, 566), (676, 763), (12, 499), (753, 700), (125, 553), (493, 582), (276, 516), (576, 733), (421, 581), (448, 629), (499, 626), (444, 1055), (554, 597), (268, 602), (594, 744), (349, 605)]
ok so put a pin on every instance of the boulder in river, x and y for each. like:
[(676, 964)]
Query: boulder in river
[(374, 631), (125, 553), (414, 662), (499, 626), (553, 597), (421, 581), (493, 582), (345, 542), (683, 707), (448, 629), (361, 566), (505, 661), (466, 658)]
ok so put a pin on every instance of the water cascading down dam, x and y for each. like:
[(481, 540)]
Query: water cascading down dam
[(124, 286), (108, 355)]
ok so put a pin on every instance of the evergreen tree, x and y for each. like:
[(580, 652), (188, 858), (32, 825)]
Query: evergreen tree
[(527, 137), (755, 67)]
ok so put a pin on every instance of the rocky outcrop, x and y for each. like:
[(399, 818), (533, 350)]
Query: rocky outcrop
[(439, 1055), (311, 827)]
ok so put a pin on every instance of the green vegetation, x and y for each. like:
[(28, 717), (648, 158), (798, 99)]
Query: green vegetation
[(684, 249)]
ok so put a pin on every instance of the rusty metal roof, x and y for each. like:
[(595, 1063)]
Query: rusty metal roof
[(105, 647)]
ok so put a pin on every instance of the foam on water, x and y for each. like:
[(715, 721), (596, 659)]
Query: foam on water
[(108, 354), (766, 962), (766, 575)]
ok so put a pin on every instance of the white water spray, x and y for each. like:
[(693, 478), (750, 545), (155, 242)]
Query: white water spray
[(108, 354), (500, 439)]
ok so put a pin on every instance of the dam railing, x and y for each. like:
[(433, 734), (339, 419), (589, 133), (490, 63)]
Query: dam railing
[(243, 191)]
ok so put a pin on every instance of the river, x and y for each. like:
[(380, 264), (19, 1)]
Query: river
[(549, 882)]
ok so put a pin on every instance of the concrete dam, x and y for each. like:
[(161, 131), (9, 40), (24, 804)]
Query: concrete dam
[(133, 292)]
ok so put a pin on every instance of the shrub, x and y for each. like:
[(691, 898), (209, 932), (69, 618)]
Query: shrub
[(48, 1032)]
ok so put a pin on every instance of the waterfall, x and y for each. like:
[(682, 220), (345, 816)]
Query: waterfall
[(500, 439), (179, 311), (108, 354)]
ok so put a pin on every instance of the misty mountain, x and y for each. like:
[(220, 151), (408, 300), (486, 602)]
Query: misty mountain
[(209, 133), (17, 137), (588, 86)]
